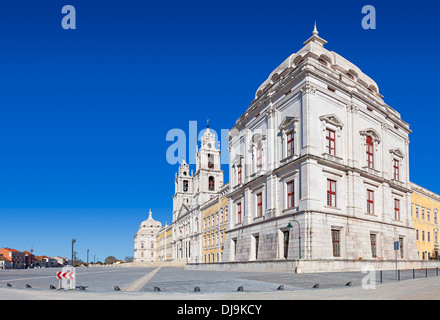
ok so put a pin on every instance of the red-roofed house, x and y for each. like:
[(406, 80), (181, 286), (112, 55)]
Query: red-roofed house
[(15, 257)]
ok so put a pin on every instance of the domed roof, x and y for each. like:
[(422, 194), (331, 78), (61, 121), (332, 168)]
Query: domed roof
[(314, 46), (150, 222)]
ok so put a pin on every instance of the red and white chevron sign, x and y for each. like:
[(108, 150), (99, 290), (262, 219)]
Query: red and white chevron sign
[(66, 275)]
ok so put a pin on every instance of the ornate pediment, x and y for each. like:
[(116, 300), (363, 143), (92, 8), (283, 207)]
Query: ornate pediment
[(332, 119), (182, 212), (371, 133), (397, 152), (287, 122)]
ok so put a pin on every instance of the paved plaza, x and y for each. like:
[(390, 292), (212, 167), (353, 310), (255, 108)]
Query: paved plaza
[(178, 283)]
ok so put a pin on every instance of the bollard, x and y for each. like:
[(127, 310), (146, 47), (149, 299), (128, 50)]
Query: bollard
[(414, 273), (116, 288), (52, 287), (281, 287), (9, 285), (240, 288), (28, 286), (426, 272), (398, 275), (196, 289), (381, 279), (348, 284), (156, 289), (316, 286)]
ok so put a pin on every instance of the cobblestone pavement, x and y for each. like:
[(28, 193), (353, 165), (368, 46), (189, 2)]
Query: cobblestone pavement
[(179, 284)]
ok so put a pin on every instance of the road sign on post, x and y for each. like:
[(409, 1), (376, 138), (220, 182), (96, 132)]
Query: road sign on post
[(67, 278)]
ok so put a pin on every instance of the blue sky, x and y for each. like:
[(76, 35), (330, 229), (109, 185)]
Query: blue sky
[(85, 112)]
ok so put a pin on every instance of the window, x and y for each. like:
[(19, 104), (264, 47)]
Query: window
[(370, 202), (323, 62), (373, 245), (257, 240), (429, 236), (286, 243), (211, 184), (370, 153), (396, 170), (417, 212), (210, 161), (331, 193), (435, 216), (259, 157), (401, 247), (290, 148), (185, 185), (336, 243), (396, 209), (423, 235), (350, 76), (290, 195), (239, 174), (417, 235), (259, 205), (330, 142), (423, 213), (239, 212), (428, 215)]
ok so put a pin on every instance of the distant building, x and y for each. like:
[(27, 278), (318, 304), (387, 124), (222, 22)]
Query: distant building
[(145, 240), (29, 259), (425, 207), (15, 258)]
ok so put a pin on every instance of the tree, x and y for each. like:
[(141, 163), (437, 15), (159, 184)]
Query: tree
[(110, 260), (129, 259)]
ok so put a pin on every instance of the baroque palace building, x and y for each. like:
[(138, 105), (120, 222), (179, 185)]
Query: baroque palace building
[(319, 158), (318, 171)]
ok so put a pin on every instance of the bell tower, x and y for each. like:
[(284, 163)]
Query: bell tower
[(183, 188), (208, 178)]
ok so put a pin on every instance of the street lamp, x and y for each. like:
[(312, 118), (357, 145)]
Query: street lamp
[(73, 242), (299, 234)]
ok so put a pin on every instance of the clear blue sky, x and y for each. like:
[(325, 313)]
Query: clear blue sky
[(85, 112)]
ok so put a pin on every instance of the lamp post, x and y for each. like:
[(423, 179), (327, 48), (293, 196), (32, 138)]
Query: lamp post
[(299, 234), (88, 257), (73, 242)]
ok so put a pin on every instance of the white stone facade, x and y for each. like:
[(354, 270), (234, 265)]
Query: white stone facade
[(318, 146), (191, 192), (145, 246)]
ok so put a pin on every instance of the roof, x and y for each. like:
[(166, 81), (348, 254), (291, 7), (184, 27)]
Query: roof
[(314, 46)]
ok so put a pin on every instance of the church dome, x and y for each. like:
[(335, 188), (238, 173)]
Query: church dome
[(150, 223)]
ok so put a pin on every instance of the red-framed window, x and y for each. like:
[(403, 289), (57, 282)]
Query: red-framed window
[(290, 143), (239, 174), (290, 195), (396, 169), (330, 142), (259, 205), (396, 209), (239, 212), (370, 153), (370, 201), (331, 193)]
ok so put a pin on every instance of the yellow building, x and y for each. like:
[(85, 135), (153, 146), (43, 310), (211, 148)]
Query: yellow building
[(424, 212), (214, 215), (163, 244)]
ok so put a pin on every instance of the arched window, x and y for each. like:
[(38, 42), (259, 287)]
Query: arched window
[(259, 156), (210, 161), (211, 184), (370, 152)]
